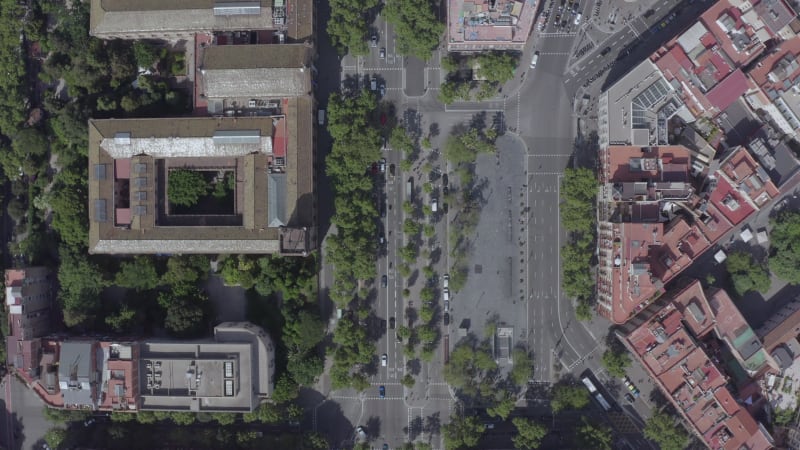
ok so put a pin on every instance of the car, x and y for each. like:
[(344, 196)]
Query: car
[(534, 59), (446, 319), (383, 90), (489, 426), (360, 431), (383, 165), (383, 52), (447, 306), (446, 280), (383, 210), (385, 446), (578, 19), (391, 169), (445, 207), (444, 180), (382, 391), (391, 323), (446, 294), (381, 240), (384, 359), (445, 190), (605, 51), (629, 398), (636, 392), (373, 84), (88, 422), (384, 281), (373, 42)]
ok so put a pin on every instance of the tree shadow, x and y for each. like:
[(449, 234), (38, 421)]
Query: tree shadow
[(432, 424), (433, 129), (414, 366), (373, 425)]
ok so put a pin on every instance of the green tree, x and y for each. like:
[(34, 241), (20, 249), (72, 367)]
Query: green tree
[(347, 26), (566, 396), (523, 367), (616, 361), (304, 367), (529, 433), (583, 310), (185, 311), (186, 187), (139, 274), (303, 332), (576, 281), (747, 274), (285, 390), (450, 63), (416, 25), (448, 91), (470, 370), (785, 246), (462, 432), (578, 194), (55, 437), (594, 436), (411, 227), (407, 381), (225, 418), (122, 320), (464, 148), (186, 270), (183, 418), (146, 55), (502, 407), (663, 430), (497, 67)]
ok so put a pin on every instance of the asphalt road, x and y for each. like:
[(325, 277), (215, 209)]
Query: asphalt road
[(23, 425)]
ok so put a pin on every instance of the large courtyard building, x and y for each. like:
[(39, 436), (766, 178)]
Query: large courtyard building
[(266, 208)]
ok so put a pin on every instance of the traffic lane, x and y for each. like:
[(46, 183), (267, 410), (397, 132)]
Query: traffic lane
[(414, 76)]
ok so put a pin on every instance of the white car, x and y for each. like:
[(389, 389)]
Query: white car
[(446, 306), (578, 19), (446, 281), (384, 360)]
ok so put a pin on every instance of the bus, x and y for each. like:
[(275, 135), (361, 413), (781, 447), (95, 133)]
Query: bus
[(600, 399), (589, 385)]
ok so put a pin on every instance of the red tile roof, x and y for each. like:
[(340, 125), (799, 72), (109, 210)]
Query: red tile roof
[(730, 202), (730, 89)]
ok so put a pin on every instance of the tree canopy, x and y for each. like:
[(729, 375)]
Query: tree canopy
[(469, 370), (578, 194), (462, 432), (347, 26), (594, 436), (529, 433), (497, 67), (566, 396), (746, 273), (139, 274), (785, 246), (663, 430), (616, 361), (186, 187), (417, 27)]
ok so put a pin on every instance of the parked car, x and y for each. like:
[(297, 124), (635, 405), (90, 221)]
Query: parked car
[(447, 306), (384, 359), (446, 280), (373, 42), (384, 281), (382, 391), (605, 51), (446, 319), (391, 323), (578, 19), (534, 59), (629, 398), (383, 52), (383, 165), (383, 90)]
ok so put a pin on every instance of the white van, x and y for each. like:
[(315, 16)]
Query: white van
[(534, 59), (321, 117)]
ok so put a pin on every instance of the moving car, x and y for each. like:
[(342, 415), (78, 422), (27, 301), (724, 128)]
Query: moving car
[(383, 165), (383, 52), (383, 90), (391, 323), (629, 398), (382, 391), (373, 84), (384, 360), (384, 281), (605, 51), (578, 19), (373, 42)]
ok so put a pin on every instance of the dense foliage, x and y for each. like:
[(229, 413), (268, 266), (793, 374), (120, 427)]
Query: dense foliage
[(785, 247), (594, 436), (529, 433), (746, 273), (569, 396), (578, 193), (663, 430), (186, 187), (616, 361), (348, 25), (462, 432), (417, 28)]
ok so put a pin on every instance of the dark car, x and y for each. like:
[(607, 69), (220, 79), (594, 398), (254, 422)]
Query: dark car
[(391, 169), (629, 398), (444, 180), (384, 281), (382, 391), (445, 207), (446, 319), (605, 51), (391, 323)]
